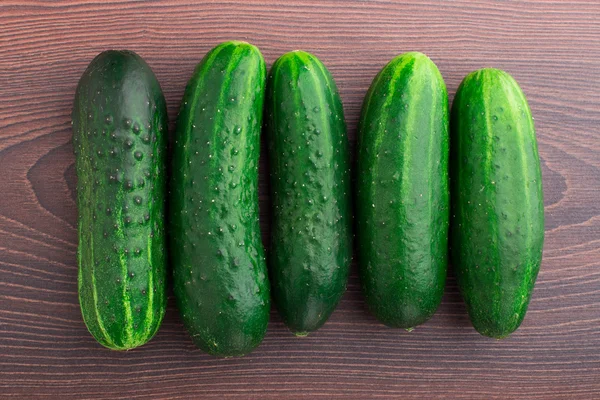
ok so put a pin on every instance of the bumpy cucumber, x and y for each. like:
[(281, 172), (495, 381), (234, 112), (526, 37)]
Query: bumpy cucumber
[(310, 190), (220, 276), (403, 199), (498, 211), (119, 138)]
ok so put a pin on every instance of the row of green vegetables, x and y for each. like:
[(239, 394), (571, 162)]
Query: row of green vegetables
[(430, 185)]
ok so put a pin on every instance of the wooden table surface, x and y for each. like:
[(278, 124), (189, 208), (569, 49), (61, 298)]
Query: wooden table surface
[(552, 48)]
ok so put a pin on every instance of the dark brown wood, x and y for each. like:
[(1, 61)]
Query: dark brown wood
[(551, 47)]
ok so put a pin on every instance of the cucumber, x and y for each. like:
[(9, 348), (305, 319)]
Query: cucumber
[(402, 191), (497, 227), (311, 238), (220, 278), (119, 138)]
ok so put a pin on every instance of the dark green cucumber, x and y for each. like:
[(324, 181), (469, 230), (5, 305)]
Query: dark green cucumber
[(220, 275), (498, 210), (119, 138), (403, 199), (311, 242)]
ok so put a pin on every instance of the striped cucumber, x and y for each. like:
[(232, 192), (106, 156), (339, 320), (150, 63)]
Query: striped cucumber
[(403, 199), (311, 240), (119, 127), (498, 210), (220, 277)]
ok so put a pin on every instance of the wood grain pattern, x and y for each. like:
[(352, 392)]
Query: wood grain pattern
[(552, 48)]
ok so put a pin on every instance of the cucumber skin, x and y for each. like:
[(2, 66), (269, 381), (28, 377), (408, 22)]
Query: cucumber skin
[(221, 287), (498, 212), (119, 139), (402, 191), (310, 189)]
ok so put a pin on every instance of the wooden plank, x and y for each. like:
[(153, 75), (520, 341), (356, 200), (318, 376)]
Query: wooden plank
[(552, 48)]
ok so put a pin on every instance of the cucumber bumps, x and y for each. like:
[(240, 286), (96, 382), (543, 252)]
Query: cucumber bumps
[(403, 199), (119, 138), (311, 238), (220, 277), (497, 209)]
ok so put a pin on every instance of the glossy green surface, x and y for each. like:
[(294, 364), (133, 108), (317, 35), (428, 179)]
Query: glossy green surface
[(119, 138), (220, 276), (311, 238), (402, 184), (498, 210)]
